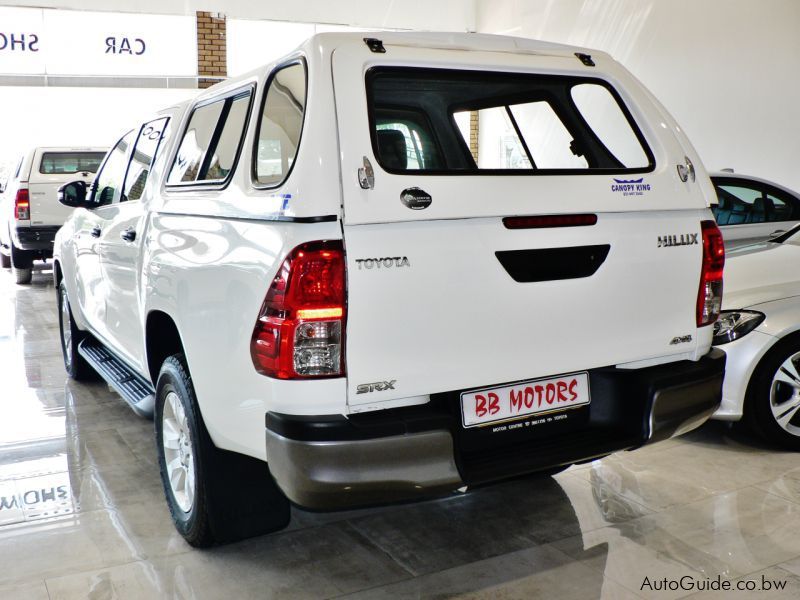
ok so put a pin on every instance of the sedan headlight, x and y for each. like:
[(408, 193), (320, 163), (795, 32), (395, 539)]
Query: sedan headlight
[(733, 324)]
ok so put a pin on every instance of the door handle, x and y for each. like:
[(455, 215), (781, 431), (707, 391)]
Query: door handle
[(96, 231), (778, 231), (128, 234)]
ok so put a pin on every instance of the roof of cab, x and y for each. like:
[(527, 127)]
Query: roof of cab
[(323, 44)]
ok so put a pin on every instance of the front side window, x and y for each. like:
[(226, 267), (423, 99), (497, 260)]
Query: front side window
[(741, 203), (108, 184), (211, 143), (150, 136), (58, 163), (448, 121), (281, 125)]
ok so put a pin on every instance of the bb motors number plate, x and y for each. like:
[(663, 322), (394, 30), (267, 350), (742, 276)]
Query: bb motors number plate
[(512, 402)]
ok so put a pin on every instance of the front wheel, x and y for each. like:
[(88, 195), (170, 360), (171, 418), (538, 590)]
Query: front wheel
[(214, 496), (772, 406), (75, 365)]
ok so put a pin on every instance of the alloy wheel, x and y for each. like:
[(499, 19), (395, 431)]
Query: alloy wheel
[(178, 452)]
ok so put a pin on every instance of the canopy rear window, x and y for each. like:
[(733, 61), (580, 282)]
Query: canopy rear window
[(443, 121), (56, 163)]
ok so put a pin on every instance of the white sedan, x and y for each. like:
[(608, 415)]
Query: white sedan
[(759, 329), (751, 209)]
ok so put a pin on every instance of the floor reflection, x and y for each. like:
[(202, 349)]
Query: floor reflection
[(34, 474), (81, 506)]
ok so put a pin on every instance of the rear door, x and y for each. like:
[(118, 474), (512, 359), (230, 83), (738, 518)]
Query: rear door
[(51, 169), (444, 291)]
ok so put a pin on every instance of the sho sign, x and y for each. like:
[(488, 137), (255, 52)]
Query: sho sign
[(65, 42)]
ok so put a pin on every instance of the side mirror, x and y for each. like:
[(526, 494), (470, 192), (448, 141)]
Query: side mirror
[(73, 194), (2, 187)]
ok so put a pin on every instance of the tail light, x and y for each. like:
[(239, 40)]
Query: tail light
[(300, 329), (22, 205), (709, 296)]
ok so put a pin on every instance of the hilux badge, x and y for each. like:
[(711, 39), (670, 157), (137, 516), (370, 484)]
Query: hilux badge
[(684, 239), (415, 198)]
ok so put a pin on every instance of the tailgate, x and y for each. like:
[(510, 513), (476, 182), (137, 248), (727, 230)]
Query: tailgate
[(444, 291), (49, 171)]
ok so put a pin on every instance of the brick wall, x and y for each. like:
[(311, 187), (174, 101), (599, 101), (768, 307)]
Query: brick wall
[(473, 134), (212, 57)]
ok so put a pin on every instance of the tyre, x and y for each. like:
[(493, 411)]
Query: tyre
[(772, 403), (23, 276), (75, 365), (22, 265), (214, 496), (5, 261)]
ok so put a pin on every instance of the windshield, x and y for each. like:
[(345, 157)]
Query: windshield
[(57, 163)]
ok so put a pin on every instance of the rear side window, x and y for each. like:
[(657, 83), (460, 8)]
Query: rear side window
[(280, 126), (744, 202), (211, 143), (444, 121), (57, 163)]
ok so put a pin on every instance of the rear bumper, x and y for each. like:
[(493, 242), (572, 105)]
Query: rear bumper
[(334, 462), (35, 238)]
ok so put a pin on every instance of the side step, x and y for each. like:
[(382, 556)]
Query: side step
[(133, 388)]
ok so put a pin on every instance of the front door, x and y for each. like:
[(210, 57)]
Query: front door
[(89, 227), (121, 244)]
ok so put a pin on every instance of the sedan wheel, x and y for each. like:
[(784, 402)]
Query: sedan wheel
[(772, 404), (784, 396)]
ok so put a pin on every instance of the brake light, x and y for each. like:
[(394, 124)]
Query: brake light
[(22, 205), (300, 329), (709, 296), (547, 221)]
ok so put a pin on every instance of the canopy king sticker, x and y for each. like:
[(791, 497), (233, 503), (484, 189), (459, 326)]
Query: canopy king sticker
[(630, 187)]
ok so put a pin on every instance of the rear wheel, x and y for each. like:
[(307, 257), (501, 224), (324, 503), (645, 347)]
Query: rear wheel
[(75, 365), (22, 265), (214, 496), (5, 260), (772, 406)]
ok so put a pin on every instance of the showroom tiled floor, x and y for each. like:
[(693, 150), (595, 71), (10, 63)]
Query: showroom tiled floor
[(82, 513)]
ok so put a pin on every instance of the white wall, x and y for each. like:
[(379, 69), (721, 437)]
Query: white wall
[(93, 116), (431, 15), (253, 42), (54, 116), (727, 69)]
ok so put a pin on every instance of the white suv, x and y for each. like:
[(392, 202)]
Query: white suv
[(382, 269), (30, 213)]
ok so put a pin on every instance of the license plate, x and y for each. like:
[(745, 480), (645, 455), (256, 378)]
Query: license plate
[(511, 402)]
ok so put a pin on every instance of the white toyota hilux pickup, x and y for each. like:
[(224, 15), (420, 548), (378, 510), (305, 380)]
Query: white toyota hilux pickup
[(383, 269), (30, 213)]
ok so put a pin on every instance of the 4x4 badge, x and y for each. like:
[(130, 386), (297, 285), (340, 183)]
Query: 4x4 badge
[(415, 198)]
